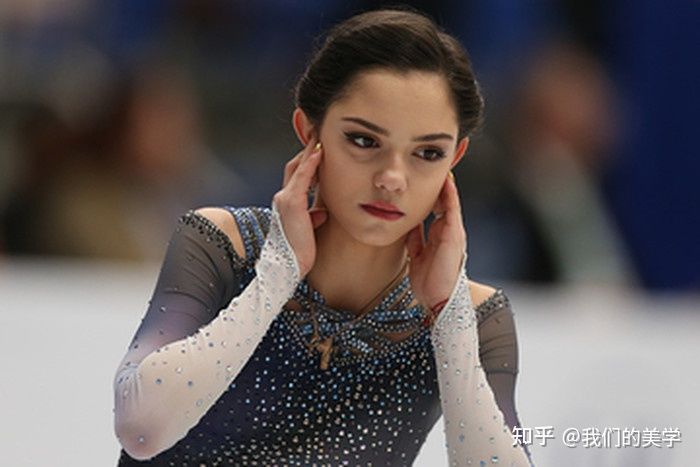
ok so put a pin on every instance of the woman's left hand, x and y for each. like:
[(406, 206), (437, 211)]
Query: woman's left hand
[(435, 264)]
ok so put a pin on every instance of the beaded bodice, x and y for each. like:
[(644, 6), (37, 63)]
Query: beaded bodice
[(374, 405), (372, 334), (387, 327)]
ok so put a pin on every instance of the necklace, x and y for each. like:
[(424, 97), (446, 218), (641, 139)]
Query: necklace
[(325, 346)]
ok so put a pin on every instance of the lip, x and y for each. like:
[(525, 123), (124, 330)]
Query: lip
[(383, 206), (383, 210)]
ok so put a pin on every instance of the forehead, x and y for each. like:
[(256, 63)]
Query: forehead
[(413, 102)]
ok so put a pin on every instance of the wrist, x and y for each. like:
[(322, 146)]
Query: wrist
[(433, 312)]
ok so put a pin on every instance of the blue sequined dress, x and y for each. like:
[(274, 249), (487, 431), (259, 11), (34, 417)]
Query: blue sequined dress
[(186, 395)]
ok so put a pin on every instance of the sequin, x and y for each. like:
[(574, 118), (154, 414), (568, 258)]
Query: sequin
[(374, 405)]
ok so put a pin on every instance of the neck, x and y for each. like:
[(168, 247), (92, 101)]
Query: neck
[(349, 274)]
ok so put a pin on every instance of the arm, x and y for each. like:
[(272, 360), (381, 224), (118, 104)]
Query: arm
[(498, 352), (475, 428), (162, 391)]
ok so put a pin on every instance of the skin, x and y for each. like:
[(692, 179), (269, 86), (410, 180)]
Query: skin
[(351, 280), (346, 254)]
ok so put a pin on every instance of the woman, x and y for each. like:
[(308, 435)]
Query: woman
[(335, 335)]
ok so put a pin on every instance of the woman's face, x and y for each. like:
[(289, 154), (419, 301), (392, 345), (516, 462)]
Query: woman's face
[(391, 138)]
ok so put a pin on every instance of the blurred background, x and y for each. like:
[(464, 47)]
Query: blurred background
[(580, 194)]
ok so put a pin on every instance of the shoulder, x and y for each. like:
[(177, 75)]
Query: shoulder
[(480, 292), (245, 227), (222, 218)]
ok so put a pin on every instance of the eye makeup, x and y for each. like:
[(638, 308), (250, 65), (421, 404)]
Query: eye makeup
[(367, 142), (363, 141)]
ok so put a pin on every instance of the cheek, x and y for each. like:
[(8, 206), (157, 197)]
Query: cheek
[(338, 169), (328, 173), (333, 182), (427, 196)]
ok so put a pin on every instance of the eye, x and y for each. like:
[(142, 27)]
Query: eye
[(431, 154), (361, 141)]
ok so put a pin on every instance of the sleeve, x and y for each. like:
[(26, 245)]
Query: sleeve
[(167, 382), (475, 428), (498, 352)]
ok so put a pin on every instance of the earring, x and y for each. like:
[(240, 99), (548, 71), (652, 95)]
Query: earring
[(317, 147)]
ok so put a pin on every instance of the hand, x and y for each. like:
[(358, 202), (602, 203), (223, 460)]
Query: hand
[(298, 221), (435, 264)]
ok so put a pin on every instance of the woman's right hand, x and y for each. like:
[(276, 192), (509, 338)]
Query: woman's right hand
[(298, 221)]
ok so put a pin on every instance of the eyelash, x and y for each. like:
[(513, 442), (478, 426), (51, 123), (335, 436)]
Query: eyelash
[(352, 137)]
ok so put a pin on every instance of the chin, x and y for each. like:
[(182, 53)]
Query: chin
[(380, 234), (379, 238), (377, 241)]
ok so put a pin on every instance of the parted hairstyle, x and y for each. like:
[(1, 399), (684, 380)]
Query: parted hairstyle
[(398, 40)]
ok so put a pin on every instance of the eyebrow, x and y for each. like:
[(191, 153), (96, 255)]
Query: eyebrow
[(385, 132)]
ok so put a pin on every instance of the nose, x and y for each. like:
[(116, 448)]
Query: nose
[(392, 175)]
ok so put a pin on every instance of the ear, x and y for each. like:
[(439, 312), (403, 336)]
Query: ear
[(460, 151), (302, 126)]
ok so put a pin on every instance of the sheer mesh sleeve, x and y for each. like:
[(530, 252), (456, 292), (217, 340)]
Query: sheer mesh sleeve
[(475, 425), (498, 352), (186, 352)]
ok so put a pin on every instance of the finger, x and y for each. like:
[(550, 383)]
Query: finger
[(290, 167), (453, 214), (414, 241), (300, 180), (448, 222), (439, 207), (449, 201), (293, 164)]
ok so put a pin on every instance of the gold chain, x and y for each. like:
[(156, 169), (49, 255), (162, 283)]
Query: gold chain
[(325, 346)]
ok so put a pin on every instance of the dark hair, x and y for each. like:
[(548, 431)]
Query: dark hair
[(396, 39)]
